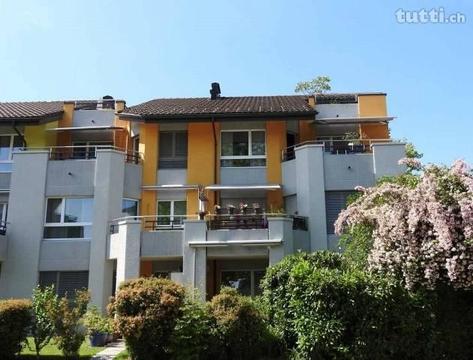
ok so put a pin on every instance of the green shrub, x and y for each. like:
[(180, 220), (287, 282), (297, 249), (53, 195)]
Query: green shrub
[(45, 304), (70, 331), (325, 309), (146, 313), (241, 328), (15, 319), (96, 323), (194, 336)]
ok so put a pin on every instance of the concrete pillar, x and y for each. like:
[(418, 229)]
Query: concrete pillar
[(194, 260), (108, 194), (128, 250), (310, 184), (386, 157), (280, 228), (26, 211)]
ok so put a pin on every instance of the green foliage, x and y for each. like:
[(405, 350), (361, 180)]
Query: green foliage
[(240, 325), (194, 336), (357, 243), (96, 323), (327, 310), (408, 180), (318, 85), (15, 319), (146, 311), (70, 333), (412, 153), (45, 304)]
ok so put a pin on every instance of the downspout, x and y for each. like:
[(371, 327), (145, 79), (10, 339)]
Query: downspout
[(22, 137)]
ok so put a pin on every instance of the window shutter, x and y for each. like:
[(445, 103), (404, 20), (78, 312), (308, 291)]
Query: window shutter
[(48, 278), (335, 201), (70, 281)]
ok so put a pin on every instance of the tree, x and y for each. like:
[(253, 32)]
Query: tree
[(44, 305), (318, 85)]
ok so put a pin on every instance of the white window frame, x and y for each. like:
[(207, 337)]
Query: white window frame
[(4, 206), (62, 223), (137, 205), (10, 158), (250, 156), (252, 277), (171, 213)]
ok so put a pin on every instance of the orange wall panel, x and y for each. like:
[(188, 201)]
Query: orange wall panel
[(275, 143)]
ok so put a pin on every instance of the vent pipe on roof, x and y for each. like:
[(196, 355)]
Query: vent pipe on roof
[(215, 91)]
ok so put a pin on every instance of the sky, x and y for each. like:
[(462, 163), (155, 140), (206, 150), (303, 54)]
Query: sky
[(140, 50)]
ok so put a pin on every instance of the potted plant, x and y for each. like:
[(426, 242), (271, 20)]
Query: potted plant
[(231, 209), (218, 209), (98, 327), (243, 208), (202, 214)]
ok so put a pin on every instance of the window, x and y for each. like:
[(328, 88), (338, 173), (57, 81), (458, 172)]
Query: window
[(247, 282), (335, 202), (68, 218), (65, 282), (172, 149), (136, 143), (171, 212), (243, 148), (87, 150), (8, 144), (129, 207), (3, 212)]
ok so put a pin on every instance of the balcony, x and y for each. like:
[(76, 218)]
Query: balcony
[(3, 241), (337, 146)]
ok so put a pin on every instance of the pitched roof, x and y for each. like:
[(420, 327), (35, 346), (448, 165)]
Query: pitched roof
[(30, 110), (223, 107)]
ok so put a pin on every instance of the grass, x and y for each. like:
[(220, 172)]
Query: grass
[(51, 352), (122, 356)]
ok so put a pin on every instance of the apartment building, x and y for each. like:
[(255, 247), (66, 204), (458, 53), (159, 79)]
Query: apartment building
[(205, 191)]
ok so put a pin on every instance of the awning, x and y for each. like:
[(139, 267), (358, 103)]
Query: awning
[(87, 128), (169, 187), (270, 187), (353, 120)]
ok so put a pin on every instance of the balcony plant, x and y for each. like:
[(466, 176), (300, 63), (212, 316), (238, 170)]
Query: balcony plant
[(231, 209), (218, 209), (243, 208)]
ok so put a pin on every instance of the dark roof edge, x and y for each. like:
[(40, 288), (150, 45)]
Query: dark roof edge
[(33, 119), (218, 116)]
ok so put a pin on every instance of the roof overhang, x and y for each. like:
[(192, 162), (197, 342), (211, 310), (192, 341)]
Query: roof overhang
[(270, 187), (88, 128), (169, 187), (30, 120), (353, 120)]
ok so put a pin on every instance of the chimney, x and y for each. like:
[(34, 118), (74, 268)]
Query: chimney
[(215, 91)]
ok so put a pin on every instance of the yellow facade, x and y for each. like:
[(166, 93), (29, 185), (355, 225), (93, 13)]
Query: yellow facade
[(202, 161), (275, 144), (371, 106), (149, 148), (38, 136), (64, 137)]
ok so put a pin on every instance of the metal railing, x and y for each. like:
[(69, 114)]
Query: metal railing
[(335, 146), (84, 152), (155, 222)]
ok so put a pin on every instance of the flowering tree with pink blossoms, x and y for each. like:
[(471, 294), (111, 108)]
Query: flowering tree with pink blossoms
[(421, 225)]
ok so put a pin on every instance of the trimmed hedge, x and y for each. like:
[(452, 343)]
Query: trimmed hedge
[(15, 319), (146, 312), (325, 309)]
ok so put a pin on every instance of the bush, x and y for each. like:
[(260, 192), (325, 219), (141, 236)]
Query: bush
[(15, 319), (96, 323), (70, 332), (146, 312), (325, 309), (194, 335), (241, 329), (45, 304)]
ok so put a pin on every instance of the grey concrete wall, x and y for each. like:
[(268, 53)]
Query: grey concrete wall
[(310, 182), (336, 110), (301, 241), (290, 204), (162, 243), (26, 216), (345, 171), (280, 229), (242, 252), (3, 248), (194, 264), (132, 181), (70, 178), (242, 234), (5, 178), (333, 241), (128, 251), (172, 176), (83, 118), (386, 157), (289, 176), (64, 255), (243, 176), (108, 194)]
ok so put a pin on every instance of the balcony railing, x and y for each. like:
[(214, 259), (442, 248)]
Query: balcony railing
[(84, 152), (3, 228), (155, 222), (335, 146)]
